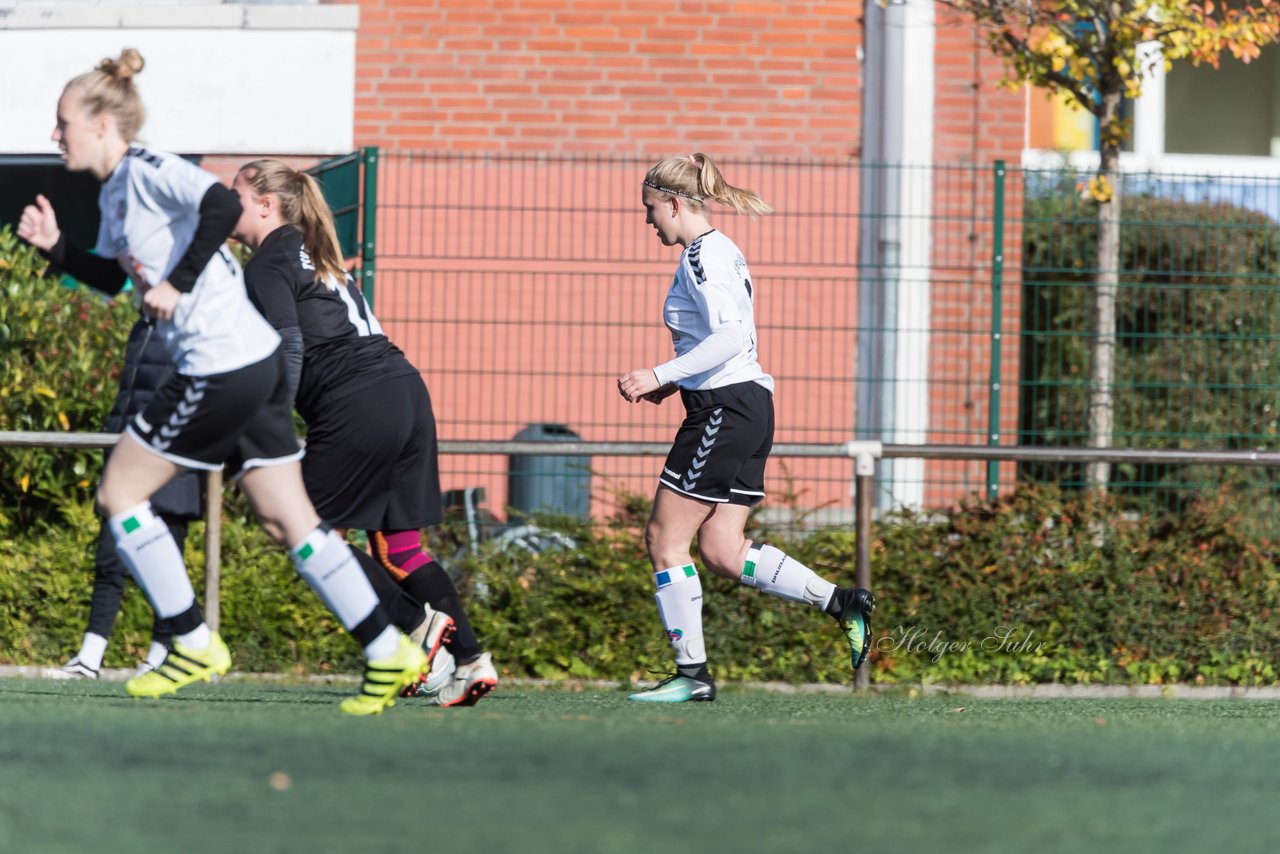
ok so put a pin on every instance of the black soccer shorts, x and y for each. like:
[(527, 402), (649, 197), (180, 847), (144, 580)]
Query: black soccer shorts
[(721, 449)]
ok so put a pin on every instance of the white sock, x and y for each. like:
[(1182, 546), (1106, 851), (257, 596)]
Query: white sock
[(383, 645), (679, 599), (769, 570), (92, 648), (156, 654), (147, 548), (198, 638), (326, 562)]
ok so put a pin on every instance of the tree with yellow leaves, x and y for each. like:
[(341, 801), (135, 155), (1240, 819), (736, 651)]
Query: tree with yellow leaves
[(1098, 52)]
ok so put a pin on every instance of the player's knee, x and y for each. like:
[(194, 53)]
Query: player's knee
[(106, 501), (720, 553), (274, 528), (664, 549), (655, 543)]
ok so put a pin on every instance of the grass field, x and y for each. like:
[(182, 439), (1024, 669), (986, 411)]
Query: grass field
[(258, 768)]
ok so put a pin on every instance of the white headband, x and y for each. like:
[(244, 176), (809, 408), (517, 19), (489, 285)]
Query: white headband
[(673, 192)]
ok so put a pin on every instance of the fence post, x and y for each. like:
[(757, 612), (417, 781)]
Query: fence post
[(997, 317), (213, 549), (369, 220), (864, 455)]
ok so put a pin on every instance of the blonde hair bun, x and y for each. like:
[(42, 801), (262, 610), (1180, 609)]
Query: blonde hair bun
[(125, 67)]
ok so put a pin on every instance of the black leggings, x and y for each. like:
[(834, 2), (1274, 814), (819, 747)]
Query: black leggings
[(109, 575)]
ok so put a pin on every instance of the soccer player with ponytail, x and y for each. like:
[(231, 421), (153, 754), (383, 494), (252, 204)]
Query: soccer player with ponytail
[(164, 224), (371, 457), (714, 473)]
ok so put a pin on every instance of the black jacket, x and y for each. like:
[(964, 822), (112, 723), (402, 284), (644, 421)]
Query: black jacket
[(146, 367)]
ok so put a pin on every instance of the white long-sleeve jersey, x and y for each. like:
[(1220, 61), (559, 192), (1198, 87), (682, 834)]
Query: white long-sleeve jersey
[(709, 310), (150, 209)]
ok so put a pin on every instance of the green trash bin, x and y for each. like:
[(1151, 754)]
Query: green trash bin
[(555, 483)]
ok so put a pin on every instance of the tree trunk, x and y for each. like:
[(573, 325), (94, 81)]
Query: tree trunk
[(1101, 409)]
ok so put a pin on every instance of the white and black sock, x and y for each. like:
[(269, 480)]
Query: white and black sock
[(92, 650), (771, 571), (147, 547), (326, 562), (679, 600)]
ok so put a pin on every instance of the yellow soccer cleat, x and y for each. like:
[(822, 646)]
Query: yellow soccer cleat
[(181, 667), (384, 678)]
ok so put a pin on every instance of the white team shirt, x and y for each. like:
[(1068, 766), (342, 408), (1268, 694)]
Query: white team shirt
[(150, 209), (712, 288)]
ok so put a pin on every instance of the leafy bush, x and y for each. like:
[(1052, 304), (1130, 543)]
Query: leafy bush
[(60, 354), (1037, 587), (270, 617), (1098, 595)]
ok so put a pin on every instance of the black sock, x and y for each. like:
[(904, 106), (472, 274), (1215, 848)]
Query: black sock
[(697, 671), (404, 613), (371, 626), (431, 585), (839, 600)]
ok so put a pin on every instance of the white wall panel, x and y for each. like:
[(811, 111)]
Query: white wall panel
[(219, 79)]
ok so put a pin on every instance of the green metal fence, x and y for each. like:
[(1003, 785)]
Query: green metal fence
[(943, 304), (1198, 322)]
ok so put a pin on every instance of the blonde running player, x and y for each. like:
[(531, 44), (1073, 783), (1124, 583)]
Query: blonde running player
[(714, 473), (164, 223)]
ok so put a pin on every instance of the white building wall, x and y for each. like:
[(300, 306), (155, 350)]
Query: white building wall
[(219, 79)]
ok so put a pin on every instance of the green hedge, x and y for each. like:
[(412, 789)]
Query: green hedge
[(1037, 587), (1088, 591), (61, 349)]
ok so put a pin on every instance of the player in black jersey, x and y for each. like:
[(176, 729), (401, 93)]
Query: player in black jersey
[(371, 458), (164, 223), (715, 471)]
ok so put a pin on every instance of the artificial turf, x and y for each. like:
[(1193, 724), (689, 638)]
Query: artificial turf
[(260, 768)]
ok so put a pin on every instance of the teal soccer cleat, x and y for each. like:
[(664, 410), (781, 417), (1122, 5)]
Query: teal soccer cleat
[(854, 616), (678, 689)]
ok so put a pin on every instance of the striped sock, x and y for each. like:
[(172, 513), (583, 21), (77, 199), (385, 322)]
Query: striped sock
[(400, 552)]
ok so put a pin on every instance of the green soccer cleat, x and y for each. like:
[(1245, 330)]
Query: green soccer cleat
[(181, 667), (854, 618), (678, 689), (384, 678)]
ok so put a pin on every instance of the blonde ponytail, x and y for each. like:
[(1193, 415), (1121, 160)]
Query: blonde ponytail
[(696, 179), (302, 205)]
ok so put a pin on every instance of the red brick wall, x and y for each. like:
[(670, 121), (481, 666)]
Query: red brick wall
[(975, 119), (621, 77), (609, 76), (976, 122)]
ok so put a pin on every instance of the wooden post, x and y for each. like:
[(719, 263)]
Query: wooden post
[(213, 549)]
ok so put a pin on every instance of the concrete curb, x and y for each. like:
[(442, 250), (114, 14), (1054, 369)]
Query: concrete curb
[(985, 692)]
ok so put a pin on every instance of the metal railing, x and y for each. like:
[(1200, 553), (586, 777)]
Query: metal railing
[(864, 456)]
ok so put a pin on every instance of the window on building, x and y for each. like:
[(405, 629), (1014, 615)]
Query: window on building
[(1234, 109)]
